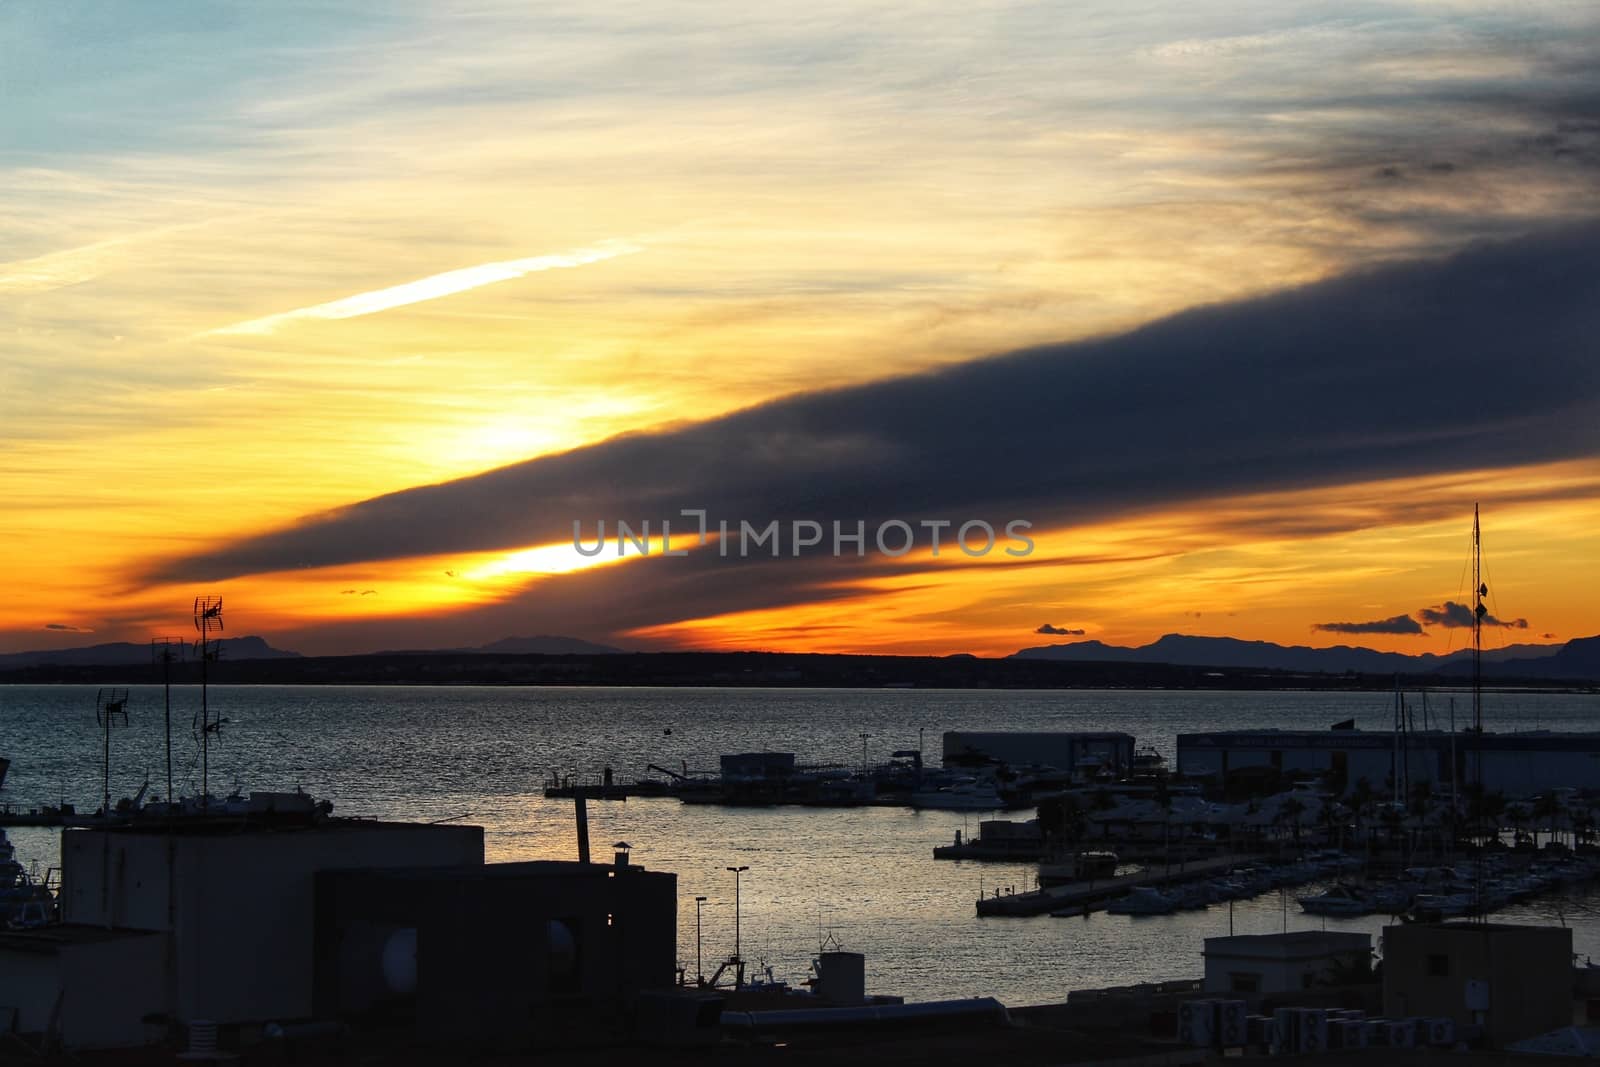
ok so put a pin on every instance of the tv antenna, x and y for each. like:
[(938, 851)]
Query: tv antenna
[(166, 651), (110, 705), (207, 619)]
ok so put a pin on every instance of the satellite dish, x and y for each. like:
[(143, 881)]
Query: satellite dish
[(399, 962)]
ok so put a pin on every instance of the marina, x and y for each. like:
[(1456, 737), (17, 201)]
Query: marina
[(1150, 873), (869, 870), (355, 899)]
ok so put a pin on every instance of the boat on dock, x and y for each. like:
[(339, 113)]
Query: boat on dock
[(1085, 866), (998, 840), (966, 795), (1143, 900), (24, 902), (1340, 901)]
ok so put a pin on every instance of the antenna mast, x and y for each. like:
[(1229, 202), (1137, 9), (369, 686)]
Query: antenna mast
[(109, 704), (1479, 591), (165, 650), (207, 617)]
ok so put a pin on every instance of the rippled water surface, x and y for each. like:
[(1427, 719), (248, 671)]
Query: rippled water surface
[(864, 875)]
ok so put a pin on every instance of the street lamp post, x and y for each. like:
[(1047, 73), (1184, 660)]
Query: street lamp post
[(699, 971), (738, 958)]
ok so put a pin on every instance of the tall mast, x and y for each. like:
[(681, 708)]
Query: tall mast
[(1394, 773), (1479, 589), (207, 617)]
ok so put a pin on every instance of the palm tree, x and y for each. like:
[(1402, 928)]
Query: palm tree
[(1391, 817), (1582, 825), (1361, 798), (1062, 822), (1330, 819), (1420, 805), (1547, 810), (1484, 809), (1290, 811)]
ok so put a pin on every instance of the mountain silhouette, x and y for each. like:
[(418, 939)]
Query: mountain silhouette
[(120, 652), (1578, 659)]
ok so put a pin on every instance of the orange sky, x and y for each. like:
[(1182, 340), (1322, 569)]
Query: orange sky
[(296, 284)]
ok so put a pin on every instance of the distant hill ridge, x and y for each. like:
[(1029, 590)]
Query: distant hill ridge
[(1578, 658), (120, 652), (541, 645)]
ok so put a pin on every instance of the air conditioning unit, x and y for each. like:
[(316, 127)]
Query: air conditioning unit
[(1352, 1033), (1377, 1032), (1232, 1030), (1402, 1033), (1258, 1031), (1441, 1032), (1195, 1023), (1286, 1029), (1313, 1030)]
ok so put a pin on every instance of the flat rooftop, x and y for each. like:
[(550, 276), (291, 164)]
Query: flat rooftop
[(1467, 926), (1295, 945), (1273, 737), (235, 825), (496, 871), (55, 938)]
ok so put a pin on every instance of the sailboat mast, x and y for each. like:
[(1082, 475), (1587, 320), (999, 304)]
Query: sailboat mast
[(1394, 772)]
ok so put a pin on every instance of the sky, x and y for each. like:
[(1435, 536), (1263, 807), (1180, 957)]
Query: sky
[(348, 312)]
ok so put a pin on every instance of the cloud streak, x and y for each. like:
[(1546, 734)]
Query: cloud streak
[(1311, 387), (433, 287), (1058, 631), (1453, 616), (1401, 624)]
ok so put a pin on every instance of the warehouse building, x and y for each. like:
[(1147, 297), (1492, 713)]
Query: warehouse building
[(1517, 764), (1066, 751)]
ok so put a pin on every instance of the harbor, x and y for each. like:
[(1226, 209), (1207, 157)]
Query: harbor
[(1119, 836)]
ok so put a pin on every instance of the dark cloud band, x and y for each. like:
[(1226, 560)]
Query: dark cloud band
[(1479, 361)]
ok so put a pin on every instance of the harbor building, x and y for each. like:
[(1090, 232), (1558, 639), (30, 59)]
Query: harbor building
[(1514, 982), (1082, 754), (1517, 764), (1250, 965), (235, 901), (508, 954), (233, 924), (86, 986)]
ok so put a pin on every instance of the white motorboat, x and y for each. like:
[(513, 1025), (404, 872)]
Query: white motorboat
[(968, 795), (1338, 901), (1143, 900)]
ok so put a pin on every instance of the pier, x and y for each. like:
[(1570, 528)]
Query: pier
[(1093, 896)]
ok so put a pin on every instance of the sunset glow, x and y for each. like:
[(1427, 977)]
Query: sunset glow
[(252, 300)]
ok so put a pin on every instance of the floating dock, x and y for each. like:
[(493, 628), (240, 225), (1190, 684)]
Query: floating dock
[(1093, 896)]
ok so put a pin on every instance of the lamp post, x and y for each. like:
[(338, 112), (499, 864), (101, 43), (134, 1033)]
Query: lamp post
[(699, 971), (737, 871)]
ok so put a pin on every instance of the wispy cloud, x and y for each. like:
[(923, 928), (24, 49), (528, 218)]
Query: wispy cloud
[(1455, 616), (433, 287), (1058, 631), (1401, 625)]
